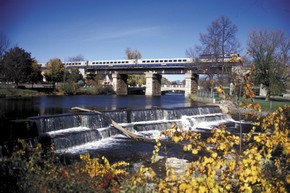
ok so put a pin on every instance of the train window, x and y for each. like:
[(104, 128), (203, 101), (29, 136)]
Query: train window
[(161, 60), (184, 60), (179, 60), (94, 63), (165, 60), (127, 62), (174, 60), (170, 60), (119, 62), (152, 60), (143, 61)]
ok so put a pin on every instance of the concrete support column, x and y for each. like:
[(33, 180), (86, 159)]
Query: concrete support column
[(263, 90), (191, 83), (232, 89), (83, 72), (120, 84), (153, 84)]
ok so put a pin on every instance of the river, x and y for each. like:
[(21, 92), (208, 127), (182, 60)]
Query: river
[(15, 109), (23, 107)]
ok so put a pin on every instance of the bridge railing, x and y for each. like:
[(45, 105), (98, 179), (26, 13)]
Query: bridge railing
[(173, 86), (207, 94)]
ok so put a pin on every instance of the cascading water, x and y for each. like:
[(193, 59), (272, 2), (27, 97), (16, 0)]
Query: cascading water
[(71, 131)]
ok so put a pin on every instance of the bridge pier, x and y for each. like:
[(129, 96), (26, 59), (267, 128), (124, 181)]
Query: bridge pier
[(120, 85), (153, 84), (191, 83)]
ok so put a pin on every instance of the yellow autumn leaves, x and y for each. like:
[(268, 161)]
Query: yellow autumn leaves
[(222, 167)]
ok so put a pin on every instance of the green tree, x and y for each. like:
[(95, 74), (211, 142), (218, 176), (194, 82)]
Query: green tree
[(270, 53), (35, 75), (55, 71), (16, 65), (74, 75)]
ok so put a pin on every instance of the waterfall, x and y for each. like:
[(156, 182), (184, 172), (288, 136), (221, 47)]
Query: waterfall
[(72, 130)]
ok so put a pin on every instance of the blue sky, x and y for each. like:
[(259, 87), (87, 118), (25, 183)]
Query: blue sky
[(103, 29)]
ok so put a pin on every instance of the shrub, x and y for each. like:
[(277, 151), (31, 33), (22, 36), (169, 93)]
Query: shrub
[(68, 88)]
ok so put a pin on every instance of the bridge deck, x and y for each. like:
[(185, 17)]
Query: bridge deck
[(197, 67)]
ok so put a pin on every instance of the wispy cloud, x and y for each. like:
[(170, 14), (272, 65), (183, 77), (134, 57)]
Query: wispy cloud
[(117, 33)]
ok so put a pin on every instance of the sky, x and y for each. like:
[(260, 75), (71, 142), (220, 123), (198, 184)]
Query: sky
[(103, 29)]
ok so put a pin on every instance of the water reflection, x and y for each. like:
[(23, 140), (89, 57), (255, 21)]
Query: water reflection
[(23, 107)]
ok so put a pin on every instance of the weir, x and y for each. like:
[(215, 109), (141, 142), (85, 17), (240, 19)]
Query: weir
[(76, 129)]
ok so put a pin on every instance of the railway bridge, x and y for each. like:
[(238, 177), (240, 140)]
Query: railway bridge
[(153, 70)]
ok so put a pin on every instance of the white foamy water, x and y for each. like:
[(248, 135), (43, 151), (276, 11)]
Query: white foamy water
[(197, 121), (207, 121), (103, 143), (68, 130)]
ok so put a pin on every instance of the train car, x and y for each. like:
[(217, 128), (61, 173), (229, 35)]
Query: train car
[(233, 57), (75, 64), (108, 63), (138, 63), (165, 61)]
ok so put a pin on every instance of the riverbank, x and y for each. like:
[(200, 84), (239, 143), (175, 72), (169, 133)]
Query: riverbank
[(16, 92), (231, 105), (26, 92)]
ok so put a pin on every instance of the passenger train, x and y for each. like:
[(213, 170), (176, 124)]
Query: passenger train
[(164, 62)]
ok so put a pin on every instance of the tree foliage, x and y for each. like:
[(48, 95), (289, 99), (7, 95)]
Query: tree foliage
[(270, 53), (16, 65), (74, 75), (35, 75), (54, 71)]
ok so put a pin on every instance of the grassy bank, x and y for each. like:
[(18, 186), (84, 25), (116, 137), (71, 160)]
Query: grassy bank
[(272, 105), (269, 106), (16, 92)]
